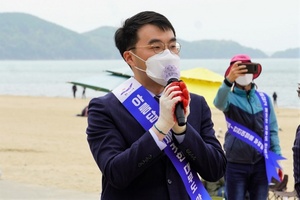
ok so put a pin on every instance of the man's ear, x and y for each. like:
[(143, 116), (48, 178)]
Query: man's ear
[(128, 58)]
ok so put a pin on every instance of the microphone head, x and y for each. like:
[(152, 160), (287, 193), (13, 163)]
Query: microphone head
[(171, 72)]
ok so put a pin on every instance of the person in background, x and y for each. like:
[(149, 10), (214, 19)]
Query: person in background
[(298, 90), (74, 89), (83, 93), (296, 156), (136, 141), (244, 109), (274, 98)]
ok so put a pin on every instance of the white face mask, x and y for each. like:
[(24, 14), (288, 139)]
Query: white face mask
[(244, 80), (161, 67)]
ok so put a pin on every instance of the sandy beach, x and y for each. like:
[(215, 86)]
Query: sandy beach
[(43, 142)]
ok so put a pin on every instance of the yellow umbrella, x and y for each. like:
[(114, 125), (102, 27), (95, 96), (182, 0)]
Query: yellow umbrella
[(203, 82)]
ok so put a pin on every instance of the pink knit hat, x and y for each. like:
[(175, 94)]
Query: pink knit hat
[(245, 59)]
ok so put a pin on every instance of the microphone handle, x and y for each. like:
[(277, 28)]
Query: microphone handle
[(179, 113)]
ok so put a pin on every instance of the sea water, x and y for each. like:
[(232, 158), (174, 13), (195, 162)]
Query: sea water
[(50, 78)]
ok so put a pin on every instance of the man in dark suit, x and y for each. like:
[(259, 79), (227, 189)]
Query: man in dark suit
[(138, 144), (296, 156)]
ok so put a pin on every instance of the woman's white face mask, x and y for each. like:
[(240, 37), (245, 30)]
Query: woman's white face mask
[(162, 66), (244, 80)]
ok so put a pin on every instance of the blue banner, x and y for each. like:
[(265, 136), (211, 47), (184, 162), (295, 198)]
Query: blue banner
[(190, 178), (271, 158), (262, 145)]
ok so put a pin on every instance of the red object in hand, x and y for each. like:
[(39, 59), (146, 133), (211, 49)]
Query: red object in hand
[(181, 108), (185, 97), (280, 174)]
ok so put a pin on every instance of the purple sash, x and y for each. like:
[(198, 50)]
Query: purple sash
[(145, 109), (260, 144)]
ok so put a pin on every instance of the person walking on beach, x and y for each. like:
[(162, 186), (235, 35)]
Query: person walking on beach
[(74, 89), (83, 93), (298, 90), (274, 98), (247, 111), (296, 156), (142, 149)]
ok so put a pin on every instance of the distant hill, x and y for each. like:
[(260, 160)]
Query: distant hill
[(26, 37), (216, 49), (289, 53), (103, 39)]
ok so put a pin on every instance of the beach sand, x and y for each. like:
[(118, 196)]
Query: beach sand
[(43, 142)]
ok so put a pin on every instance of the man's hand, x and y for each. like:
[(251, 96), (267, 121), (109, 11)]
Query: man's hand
[(185, 99), (183, 94)]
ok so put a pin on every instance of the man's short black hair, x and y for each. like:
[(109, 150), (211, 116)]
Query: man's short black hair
[(126, 36)]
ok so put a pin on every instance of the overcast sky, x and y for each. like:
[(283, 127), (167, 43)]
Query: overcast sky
[(269, 25)]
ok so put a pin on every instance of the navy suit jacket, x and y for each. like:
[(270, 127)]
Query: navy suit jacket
[(296, 157), (133, 166)]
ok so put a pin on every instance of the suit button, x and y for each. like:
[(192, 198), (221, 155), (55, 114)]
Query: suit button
[(169, 181)]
